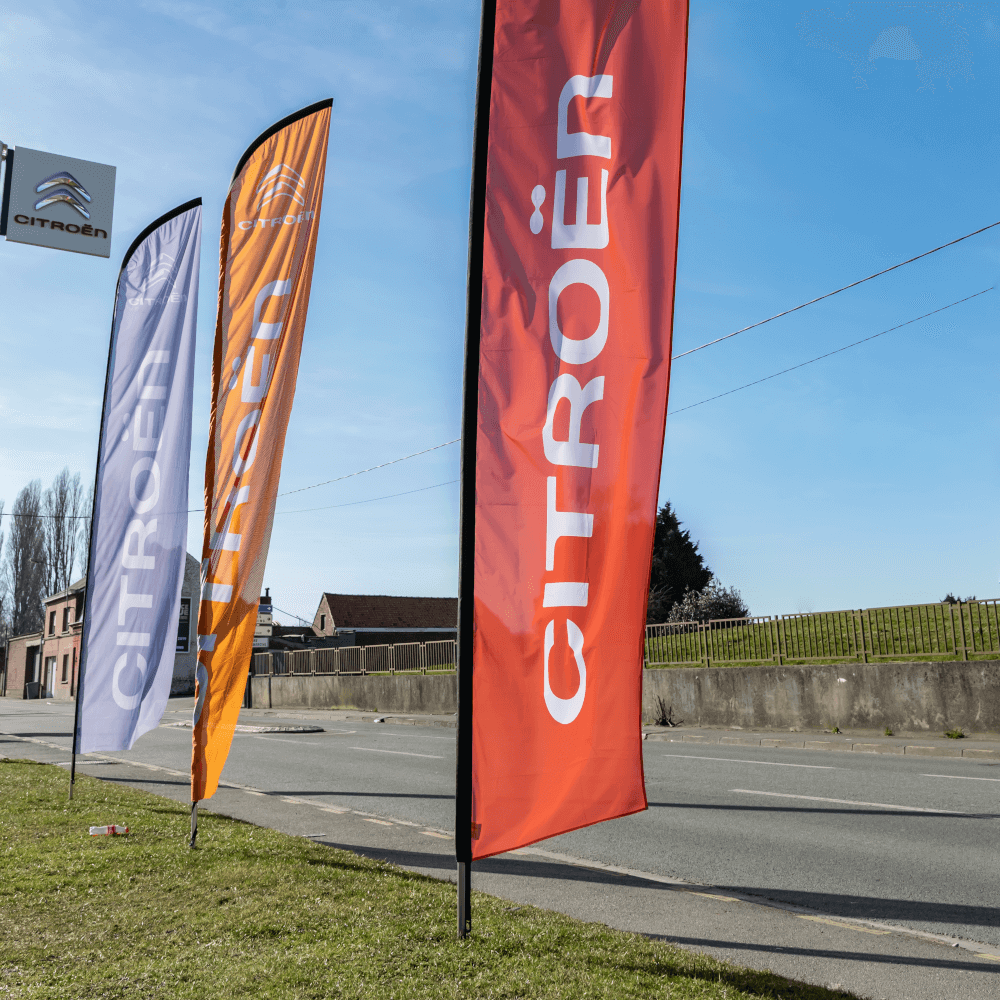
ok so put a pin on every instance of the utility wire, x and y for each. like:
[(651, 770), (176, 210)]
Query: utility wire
[(752, 326), (302, 489), (65, 517), (831, 353), (853, 284), (290, 615), (390, 496), (305, 510), (354, 503)]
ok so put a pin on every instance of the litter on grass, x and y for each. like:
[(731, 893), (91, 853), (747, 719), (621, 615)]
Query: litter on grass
[(108, 831)]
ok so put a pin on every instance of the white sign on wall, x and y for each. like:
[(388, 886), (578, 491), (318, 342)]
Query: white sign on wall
[(58, 201)]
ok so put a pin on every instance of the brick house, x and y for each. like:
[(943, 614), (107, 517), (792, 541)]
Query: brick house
[(44, 664), (375, 619)]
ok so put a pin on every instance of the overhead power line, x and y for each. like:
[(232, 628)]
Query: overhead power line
[(65, 517), (354, 503), (820, 298), (831, 353), (683, 354), (304, 621), (304, 510), (360, 472)]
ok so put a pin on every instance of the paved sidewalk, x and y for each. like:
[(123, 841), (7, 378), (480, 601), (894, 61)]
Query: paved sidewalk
[(985, 746)]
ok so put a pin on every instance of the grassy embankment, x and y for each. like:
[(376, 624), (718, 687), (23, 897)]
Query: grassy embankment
[(256, 913), (920, 632)]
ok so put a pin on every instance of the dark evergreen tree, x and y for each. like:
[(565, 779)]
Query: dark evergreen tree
[(677, 566)]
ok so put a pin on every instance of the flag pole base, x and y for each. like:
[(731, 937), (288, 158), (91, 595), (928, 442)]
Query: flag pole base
[(194, 825), (464, 899)]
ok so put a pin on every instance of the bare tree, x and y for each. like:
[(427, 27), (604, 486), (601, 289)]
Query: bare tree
[(83, 538), (24, 566), (62, 506)]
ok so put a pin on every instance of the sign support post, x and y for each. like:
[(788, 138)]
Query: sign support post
[(7, 159), (467, 512)]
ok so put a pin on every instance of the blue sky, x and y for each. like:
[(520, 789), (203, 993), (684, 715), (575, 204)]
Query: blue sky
[(821, 145)]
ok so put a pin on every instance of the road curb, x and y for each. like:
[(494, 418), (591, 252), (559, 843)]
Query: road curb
[(331, 715), (915, 750)]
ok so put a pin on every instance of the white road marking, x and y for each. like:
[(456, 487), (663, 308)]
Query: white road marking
[(695, 888), (89, 763), (961, 777), (434, 833), (740, 760), (381, 822), (850, 802), (840, 923), (402, 753)]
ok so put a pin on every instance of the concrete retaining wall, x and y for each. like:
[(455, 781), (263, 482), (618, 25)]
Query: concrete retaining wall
[(908, 697), (406, 694)]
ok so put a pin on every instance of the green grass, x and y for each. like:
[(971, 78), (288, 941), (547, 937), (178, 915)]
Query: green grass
[(916, 632), (256, 913)]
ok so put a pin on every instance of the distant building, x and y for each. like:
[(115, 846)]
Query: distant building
[(44, 664), (375, 619)]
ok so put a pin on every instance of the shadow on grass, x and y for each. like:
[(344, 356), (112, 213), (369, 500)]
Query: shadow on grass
[(114, 780)]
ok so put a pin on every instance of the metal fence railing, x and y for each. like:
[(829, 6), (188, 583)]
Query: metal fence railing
[(957, 631), (401, 658), (960, 631)]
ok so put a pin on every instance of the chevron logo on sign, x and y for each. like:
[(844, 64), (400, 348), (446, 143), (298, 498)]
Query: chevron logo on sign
[(63, 188)]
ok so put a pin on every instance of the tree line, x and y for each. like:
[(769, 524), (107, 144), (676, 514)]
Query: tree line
[(43, 548)]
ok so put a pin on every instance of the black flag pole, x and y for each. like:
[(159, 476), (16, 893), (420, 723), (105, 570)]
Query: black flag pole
[(467, 512)]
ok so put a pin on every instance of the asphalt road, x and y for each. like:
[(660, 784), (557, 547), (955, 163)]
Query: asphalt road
[(898, 841)]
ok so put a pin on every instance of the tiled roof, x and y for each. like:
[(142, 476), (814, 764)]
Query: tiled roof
[(378, 611), (72, 589)]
